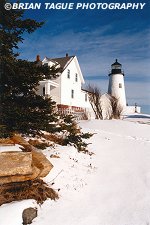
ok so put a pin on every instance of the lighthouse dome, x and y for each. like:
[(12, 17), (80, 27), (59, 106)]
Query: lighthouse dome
[(116, 63), (116, 68)]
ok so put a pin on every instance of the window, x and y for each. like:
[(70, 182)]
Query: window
[(72, 93), (86, 97), (43, 91), (76, 77), (120, 85), (68, 73)]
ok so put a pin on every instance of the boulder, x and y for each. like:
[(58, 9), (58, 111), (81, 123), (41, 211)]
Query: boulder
[(15, 163), (28, 215), (41, 162), (17, 139), (39, 159), (20, 178), (23, 166)]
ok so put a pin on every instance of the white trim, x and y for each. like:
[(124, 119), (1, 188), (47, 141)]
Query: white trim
[(54, 84)]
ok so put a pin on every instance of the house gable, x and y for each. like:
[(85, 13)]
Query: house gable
[(68, 89), (71, 82), (63, 63)]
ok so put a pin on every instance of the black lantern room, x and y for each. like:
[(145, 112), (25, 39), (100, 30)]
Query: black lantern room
[(116, 68)]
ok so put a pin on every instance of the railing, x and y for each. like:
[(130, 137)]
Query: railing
[(78, 112)]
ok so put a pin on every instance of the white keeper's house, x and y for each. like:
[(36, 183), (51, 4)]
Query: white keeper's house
[(66, 89)]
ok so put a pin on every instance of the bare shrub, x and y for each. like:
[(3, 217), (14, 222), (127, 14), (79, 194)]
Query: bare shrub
[(38, 144), (6, 141), (54, 138), (94, 95), (36, 189), (84, 116), (117, 109)]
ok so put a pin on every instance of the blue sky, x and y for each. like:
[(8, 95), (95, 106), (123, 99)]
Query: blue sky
[(97, 38)]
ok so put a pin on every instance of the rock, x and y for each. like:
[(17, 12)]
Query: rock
[(54, 156), (28, 215), (23, 166), (17, 139), (41, 166), (20, 178), (15, 163), (41, 162), (39, 159)]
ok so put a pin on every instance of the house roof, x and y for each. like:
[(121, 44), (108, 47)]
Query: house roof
[(63, 61)]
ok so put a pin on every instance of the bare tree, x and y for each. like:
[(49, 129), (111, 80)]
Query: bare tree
[(104, 106), (117, 109), (94, 95)]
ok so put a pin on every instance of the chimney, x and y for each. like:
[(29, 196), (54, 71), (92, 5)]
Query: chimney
[(38, 58), (67, 55)]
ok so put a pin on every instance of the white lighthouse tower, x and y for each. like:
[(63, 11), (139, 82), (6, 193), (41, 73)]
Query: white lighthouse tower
[(116, 86)]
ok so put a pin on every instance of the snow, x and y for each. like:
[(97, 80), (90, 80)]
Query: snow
[(11, 214), (8, 148), (110, 187)]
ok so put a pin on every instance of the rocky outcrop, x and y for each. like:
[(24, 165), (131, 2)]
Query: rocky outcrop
[(41, 162), (23, 166), (15, 163), (20, 178)]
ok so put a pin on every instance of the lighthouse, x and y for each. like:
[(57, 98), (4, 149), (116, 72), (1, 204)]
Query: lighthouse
[(116, 86)]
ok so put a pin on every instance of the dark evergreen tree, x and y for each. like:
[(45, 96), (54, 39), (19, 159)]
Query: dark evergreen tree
[(74, 134), (22, 110)]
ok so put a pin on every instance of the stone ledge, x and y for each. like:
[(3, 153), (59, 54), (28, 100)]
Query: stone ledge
[(15, 163)]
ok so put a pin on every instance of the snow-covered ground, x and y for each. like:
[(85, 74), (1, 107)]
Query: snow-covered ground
[(110, 187)]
